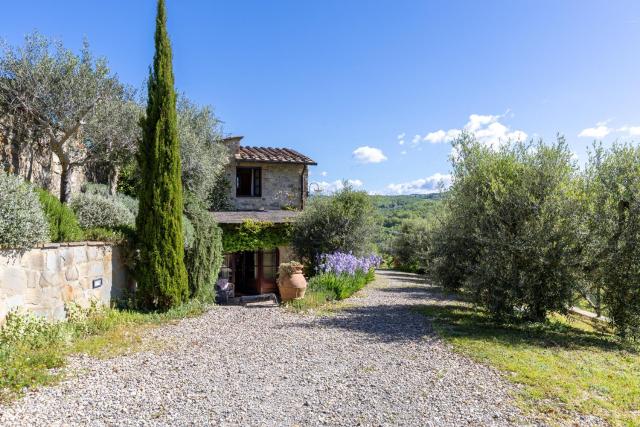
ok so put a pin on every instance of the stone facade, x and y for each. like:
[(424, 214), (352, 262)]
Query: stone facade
[(43, 280), (41, 169), (284, 186), (286, 254)]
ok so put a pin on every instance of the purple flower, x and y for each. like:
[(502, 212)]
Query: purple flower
[(347, 263)]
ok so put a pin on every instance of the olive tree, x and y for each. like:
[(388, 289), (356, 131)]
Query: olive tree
[(112, 138), (513, 227), (202, 153), (411, 246), (612, 222), (342, 222), (48, 95)]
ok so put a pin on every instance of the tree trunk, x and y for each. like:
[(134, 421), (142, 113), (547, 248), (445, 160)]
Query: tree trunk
[(114, 176), (65, 182)]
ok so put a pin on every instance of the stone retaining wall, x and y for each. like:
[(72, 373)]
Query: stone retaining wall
[(42, 280)]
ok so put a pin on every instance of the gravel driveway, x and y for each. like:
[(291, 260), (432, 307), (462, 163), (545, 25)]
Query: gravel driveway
[(374, 362)]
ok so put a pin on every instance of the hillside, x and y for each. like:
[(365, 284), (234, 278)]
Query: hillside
[(393, 210)]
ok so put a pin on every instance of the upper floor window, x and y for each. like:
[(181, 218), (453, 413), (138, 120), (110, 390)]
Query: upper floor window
[(248, 182)]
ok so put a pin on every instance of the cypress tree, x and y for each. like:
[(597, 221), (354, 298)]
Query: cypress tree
[(161, 275)]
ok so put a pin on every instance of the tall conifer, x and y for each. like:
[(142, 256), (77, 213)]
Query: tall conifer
[(161, 275)]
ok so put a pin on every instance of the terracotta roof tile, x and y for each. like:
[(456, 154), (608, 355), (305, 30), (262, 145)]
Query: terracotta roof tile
[(272, 155)]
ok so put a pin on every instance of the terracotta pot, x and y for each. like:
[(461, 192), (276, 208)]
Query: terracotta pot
[(292, 287)]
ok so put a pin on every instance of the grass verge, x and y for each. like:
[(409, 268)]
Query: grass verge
[(31, 349), (565, 365)]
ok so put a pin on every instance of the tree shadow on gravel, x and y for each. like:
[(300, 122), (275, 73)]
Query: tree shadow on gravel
[(403, 277), (385, 323)]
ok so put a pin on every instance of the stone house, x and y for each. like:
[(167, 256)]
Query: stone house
[(268, 185)]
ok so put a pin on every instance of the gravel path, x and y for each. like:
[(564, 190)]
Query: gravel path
[(374, 362)]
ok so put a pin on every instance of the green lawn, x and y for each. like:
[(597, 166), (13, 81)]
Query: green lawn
[(565, 366)]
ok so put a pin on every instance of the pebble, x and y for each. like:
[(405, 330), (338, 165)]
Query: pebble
[(374, 362)]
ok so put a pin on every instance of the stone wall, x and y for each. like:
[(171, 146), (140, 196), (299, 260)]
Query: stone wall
[(286, 254), (43, 280), (39, 167), (284, 186)]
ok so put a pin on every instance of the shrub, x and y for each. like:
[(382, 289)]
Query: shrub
[(103, 190), (411, 246), (204, 257), (288, 268), (343, 222), (119, 234), (94, 210), (63, 224), (22, 221)]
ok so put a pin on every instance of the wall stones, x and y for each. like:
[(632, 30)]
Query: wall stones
[(43, 280), (283, 186)]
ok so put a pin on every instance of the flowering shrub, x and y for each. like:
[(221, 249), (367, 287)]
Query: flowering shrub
[(26, 327), (347, 263), (22, 222)]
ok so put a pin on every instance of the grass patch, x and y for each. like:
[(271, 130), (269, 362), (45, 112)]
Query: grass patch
[(31, 348), (565, 365), (325, 290)]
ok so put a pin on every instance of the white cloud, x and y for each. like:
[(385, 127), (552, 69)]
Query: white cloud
[(430, 184), (630, 130), (403, 152), (401, 142), (486, 128), (600, 130), (442, 136), (368, 154), (323, 173), (331, 187), (401, 138), (416, 140)]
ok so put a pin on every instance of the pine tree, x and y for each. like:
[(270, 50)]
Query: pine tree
[(161, 274)]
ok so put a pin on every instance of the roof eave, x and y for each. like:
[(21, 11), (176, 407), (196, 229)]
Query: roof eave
[(276, 161)]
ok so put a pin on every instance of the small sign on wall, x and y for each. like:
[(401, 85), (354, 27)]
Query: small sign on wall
[(96, 283)]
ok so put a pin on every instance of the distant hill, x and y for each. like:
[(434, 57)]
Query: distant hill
[(393, 210)]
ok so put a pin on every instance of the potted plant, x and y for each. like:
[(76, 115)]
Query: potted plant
[(291, 282)]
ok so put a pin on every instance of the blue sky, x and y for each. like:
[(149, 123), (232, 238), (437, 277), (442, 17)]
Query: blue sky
[(372, 90)]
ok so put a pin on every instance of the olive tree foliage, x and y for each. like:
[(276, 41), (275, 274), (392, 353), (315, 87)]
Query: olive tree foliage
[(112, 139), (411, 247), (203, 156), (509, 237), (342, 222), (612, 221), (48, 95)]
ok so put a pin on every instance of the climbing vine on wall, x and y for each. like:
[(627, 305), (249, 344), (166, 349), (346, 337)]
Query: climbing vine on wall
[(254, 235)]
